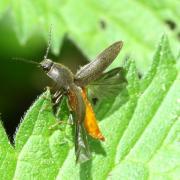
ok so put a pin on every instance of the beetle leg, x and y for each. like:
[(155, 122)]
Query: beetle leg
[(58, 99), (55, 125), (70, 119), (59, 122), (56, 94)]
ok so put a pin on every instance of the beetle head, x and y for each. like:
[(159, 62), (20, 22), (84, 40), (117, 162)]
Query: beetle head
[(46, 65)]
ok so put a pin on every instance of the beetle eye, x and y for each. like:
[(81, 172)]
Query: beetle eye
[(46, 65)]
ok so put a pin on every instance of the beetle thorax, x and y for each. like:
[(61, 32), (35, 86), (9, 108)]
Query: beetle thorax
[(61, 75), (58, 73)]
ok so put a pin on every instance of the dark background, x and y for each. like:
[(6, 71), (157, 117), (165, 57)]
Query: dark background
[(21, 83)]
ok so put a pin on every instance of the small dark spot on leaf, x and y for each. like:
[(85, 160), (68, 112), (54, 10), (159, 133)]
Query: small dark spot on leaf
[(139, 75), (171, 24), (94, 100), (103, 24)]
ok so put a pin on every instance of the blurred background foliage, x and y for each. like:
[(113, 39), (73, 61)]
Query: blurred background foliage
[(80, 30)]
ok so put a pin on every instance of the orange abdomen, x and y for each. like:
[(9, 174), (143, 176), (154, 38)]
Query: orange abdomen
[(90, 122)]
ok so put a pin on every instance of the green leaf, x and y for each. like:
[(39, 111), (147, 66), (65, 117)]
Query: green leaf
[(142, 135), (96, 24), (41, 150), (7, 156)]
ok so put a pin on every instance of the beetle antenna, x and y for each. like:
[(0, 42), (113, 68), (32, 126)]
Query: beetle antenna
[(25, 60), (49, 42)]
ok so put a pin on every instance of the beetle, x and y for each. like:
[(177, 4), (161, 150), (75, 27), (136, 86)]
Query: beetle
[(74, 87)]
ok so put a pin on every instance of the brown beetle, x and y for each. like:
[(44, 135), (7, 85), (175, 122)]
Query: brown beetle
[(74, 87)]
